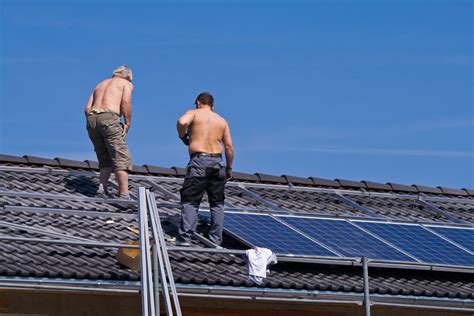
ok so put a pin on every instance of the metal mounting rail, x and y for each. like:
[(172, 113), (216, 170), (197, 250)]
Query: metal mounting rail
[(261, 199), (60, 211), (63, 197), (68, 242), (161, 249), (42, 231), (365, 268), (441, 212), (358, 206), (148, 302)]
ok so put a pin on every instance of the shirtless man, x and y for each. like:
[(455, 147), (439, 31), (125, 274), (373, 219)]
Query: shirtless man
[(204, 132), (111, 99)]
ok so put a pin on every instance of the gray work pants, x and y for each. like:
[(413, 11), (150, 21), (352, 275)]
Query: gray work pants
[(203, 174)]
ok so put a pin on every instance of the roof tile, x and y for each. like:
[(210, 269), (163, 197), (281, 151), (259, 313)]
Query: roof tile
[(376, 185), (13, 159), (424, 189), (350, 184), (139, 169), (155, 170), (41, 161), (271, 178), (452, 191), (240, 176), (179, 171), (92, 164), (63, 162), (298, 180), (402, 187), (324, 182), (469, 191)]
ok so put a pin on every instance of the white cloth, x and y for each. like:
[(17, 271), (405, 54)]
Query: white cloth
[(258, 260)]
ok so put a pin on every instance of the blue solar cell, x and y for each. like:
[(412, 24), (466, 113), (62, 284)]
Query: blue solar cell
[(420, 243), (264, 231), (462, 236), (345, 238)]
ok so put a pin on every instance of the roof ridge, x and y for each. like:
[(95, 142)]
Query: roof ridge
[(257, 177)]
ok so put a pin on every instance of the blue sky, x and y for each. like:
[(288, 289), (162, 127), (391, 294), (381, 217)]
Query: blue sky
[(359, 90)]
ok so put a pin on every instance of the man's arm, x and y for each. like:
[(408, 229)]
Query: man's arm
[(182, 126), (126, 107), (228, 148), (89, 104)]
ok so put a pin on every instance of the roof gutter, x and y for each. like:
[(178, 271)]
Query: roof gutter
[(236, 293)]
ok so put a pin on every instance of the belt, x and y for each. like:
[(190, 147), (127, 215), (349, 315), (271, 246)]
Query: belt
[(93, 112), (198, 154)]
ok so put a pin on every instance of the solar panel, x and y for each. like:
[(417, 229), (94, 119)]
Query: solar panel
[(462, 236), (265, 231), (420, 243), (345, 238)]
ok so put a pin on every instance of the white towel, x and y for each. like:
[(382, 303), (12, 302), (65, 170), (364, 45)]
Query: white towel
[(258, 260)]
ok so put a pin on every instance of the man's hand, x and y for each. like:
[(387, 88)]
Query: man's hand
[(228, 173), (185, 139), (125, 130)]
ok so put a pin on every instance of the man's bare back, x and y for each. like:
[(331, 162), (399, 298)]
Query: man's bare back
[(206, 132), (110, 94)]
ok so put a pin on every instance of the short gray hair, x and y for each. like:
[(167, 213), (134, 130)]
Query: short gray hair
[(124, 72)]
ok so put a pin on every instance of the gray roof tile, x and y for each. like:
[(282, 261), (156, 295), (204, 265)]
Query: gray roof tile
[(325, 182), (298, 180), (139, 169), (267, 178), (247, 177), (92, 164), (13, 159), (425, 189), (451, 191), (469, 191), (41, 161), (179, 171), (402, 187), (351, 184), (66, 163), (160, 171), (376, 186)]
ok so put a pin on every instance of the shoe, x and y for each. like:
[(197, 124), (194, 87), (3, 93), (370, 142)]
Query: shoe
[(124, 196), (102, 192)]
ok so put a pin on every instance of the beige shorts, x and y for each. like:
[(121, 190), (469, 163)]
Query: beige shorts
[(105, 132)]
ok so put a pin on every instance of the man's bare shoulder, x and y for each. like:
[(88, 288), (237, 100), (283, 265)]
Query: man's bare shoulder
[(120, 82), (220, 118), (190, 112), (103, 83)]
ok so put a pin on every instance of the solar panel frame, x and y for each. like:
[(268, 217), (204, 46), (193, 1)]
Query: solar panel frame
[(412, 242), (347, 239)]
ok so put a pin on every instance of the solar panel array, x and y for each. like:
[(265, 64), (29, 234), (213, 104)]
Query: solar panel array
[(342, 238), (463, 237)]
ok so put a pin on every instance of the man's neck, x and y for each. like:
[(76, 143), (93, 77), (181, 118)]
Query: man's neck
[(205, 107)]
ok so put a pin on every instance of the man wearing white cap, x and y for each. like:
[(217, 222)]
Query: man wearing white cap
[(111, 99)]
